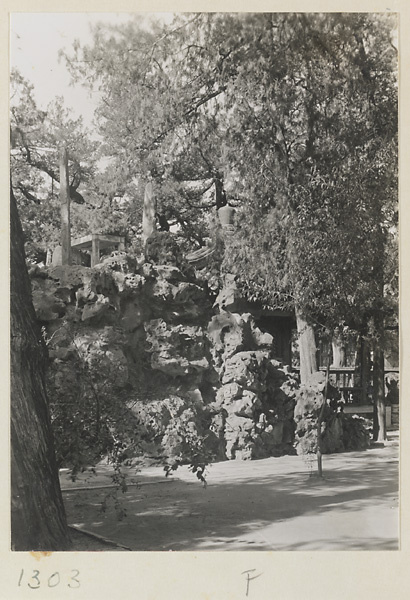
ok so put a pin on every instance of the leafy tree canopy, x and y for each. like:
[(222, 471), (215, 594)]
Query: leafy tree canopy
[(294, 116), (102, 195)]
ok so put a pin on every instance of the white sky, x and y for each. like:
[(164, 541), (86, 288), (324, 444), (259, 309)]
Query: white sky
[(36, 38)]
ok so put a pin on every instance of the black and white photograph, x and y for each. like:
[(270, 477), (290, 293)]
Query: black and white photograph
[(204, 284)]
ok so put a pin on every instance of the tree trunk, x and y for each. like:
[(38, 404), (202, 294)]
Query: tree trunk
[(378, 343), (65, 209), (148, 213), (319, 426), (49, 257), (307, 348), (338, 350), (37, 512), (378, 392), (364, 370), (220, 196)]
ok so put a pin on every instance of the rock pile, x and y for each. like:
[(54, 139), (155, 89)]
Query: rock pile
[(146, 339), (339, 432), (256, 393)]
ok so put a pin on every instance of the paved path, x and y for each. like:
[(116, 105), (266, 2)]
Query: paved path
[(270, 504)]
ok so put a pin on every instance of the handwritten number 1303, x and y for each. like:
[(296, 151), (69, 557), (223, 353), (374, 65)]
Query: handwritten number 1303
[(53, 581)]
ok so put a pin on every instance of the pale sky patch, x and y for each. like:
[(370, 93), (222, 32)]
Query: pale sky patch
[(35, 41)]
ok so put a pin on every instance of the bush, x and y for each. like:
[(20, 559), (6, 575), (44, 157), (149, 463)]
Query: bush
[(356, 432)]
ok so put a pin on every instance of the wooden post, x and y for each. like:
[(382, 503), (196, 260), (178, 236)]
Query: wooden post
[(95, 250), (65, 208)]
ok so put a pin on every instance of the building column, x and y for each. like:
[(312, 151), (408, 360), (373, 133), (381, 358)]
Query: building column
[(95, 250)]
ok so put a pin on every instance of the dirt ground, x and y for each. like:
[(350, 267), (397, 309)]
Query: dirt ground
[(270, 504)]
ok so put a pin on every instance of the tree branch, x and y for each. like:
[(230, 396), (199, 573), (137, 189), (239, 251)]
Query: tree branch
[(26, 193)]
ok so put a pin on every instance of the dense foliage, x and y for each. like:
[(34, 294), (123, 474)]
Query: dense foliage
[(292, 118), (325, 190)]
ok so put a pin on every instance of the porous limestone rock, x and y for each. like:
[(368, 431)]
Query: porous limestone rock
[(148, 336), (231, 333), (338, 431), (257, 392), (176, 349), (248, 369), (96, 308), (229, 298)]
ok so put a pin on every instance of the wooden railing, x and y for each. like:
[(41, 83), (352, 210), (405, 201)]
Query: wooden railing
[(347, 379)]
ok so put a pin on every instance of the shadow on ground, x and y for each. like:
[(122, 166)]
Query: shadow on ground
[(251, 507)]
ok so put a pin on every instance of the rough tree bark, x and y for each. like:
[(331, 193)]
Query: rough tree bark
[(379, 429), (378, 395), (307, 348), (220, 195), (38, 519), (148, 213), (364, 369), (378, 383), (65, 208), (338, 350)]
